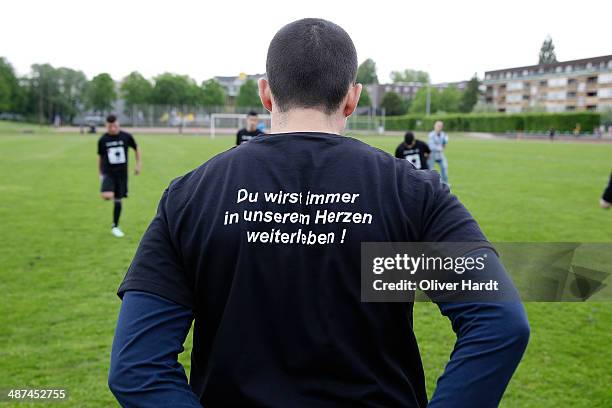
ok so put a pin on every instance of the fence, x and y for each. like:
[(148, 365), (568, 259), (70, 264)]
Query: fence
[(155, 116)]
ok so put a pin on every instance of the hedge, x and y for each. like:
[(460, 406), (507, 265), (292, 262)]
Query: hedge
[(499, 122)]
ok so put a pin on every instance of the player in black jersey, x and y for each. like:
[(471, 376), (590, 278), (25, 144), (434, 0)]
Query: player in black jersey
[(250, 131), (413, 150), (113, 167)]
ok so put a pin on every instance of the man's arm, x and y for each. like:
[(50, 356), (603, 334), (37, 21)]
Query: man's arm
[(606, 198), (491, 340), (144, 370), (398, 152), (426, 150), (133, 145), (491, 335), (138, 161), (100, 152)]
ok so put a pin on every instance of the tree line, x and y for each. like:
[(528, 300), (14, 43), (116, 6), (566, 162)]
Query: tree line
[(449, 99), (47, 92)]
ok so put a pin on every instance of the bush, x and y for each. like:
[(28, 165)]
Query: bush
[(499, 122)]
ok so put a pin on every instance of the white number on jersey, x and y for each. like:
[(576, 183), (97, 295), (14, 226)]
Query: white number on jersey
[(414, 159), (116, 155)]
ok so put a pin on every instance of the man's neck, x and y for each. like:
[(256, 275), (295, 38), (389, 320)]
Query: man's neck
[(307, 120)]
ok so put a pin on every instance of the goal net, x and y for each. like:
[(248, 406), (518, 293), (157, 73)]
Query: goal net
[(230, 123)]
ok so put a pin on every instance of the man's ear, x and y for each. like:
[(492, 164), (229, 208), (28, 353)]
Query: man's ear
[(352, 99), (265, 94)]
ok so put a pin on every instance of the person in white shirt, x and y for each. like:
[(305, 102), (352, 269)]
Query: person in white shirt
[(437, 144)]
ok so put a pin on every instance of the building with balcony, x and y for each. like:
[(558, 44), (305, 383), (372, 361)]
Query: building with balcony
[(578, 85)]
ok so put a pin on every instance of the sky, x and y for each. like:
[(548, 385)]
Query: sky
[(451, 40)]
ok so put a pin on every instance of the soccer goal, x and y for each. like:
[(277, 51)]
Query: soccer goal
[(229, 123)]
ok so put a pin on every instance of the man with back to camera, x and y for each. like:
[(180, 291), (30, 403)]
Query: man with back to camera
[(437, 142), (113, 167), (279, 321), (250, 131), (413, 150)]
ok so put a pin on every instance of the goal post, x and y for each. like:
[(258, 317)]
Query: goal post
[(222, 123)]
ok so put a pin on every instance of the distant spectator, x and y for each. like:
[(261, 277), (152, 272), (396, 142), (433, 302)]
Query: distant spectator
[(437, 144)]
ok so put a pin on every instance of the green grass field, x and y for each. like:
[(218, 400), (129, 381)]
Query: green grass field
[(60, 266)]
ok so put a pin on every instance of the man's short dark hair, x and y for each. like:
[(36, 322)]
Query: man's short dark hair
[(408, 137), (111, 118), (311, 63), (252, 113)]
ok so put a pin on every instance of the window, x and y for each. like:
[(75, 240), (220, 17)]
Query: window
[(592, 80), (515, 86), (556, 95), (514, 98), (605, 79), (571, 81), (543, 83), (571, 94), (605, 93), (592, 93), (557, 82), (591, 107), (570, 108), (525, 97)]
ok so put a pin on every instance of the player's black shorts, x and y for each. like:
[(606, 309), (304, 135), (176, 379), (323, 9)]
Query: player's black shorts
[(117, 183)]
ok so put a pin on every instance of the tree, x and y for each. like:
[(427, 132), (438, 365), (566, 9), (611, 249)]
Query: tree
[(101, 92), (174, 90), (136, 90), (213, 93), (365, 99), (43, 89), (419, 101), (393, 104), (71, 96), (449, 100), (470, 95), (445, 100), (366, 72), (410, 75), (248, 95), (12, 95), (547, 52)]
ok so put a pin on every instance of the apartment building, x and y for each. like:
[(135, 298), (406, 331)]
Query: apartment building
[(232, 84), (578, 85)]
